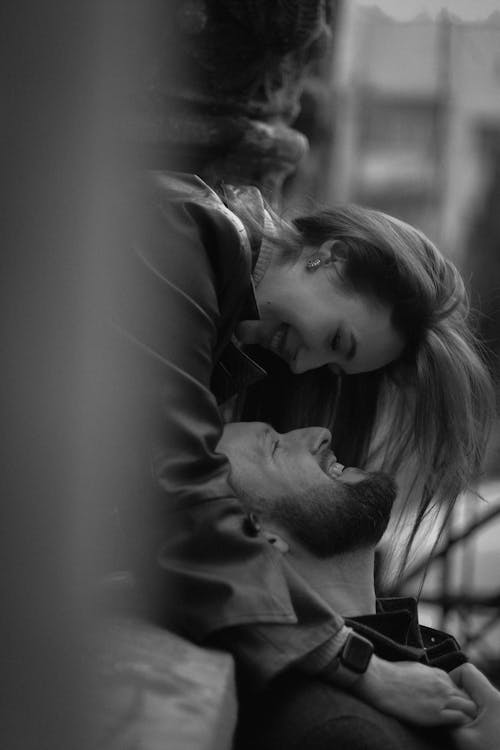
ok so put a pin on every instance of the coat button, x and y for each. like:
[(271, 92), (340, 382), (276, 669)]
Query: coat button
[(251, 525)]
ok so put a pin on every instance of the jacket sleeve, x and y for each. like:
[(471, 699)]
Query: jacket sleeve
[(223, 577)]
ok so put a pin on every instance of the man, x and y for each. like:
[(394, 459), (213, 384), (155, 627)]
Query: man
[(326, 521)]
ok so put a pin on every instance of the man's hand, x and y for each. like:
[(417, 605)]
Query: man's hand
[(414, 693), (483, 733)]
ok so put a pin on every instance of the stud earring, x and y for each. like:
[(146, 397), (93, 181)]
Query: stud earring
[(313, 263)]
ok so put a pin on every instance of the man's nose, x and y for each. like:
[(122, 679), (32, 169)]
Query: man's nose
[(314, 439)]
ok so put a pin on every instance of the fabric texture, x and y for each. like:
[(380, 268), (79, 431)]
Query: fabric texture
[(304, 713)]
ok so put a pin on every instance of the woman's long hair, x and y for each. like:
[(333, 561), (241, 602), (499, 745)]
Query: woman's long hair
[(425, 416)]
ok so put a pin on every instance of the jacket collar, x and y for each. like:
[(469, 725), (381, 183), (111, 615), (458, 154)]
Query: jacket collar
[(235, 369), (397, 635), (247, 203)]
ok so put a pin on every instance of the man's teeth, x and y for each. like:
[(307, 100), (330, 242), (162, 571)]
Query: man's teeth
[(336, 469)]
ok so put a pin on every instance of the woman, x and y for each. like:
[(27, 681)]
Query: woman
[(326, 298)]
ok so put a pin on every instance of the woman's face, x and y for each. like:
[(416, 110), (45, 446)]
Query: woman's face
[(309, 319)]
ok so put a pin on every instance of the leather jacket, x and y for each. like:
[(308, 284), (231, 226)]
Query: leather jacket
[(398, 636), (186, 283)]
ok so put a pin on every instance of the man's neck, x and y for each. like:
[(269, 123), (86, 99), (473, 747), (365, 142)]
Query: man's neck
[(345, 582)]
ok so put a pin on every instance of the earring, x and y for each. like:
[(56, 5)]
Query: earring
[(313, 263)]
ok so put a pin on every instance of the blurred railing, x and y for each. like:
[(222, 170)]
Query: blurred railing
[(457, 602)]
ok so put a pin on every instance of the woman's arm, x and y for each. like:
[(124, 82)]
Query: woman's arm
[(176, 306)]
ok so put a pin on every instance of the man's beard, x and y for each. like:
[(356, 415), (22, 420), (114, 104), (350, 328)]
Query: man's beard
[(332, 520)]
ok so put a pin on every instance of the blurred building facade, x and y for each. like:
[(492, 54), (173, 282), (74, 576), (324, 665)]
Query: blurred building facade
[(416, 103)]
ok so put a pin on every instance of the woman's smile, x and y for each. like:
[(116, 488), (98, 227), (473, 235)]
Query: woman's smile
[(311, 319), (278, 343)]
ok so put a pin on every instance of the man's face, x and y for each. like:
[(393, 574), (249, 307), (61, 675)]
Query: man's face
[(294, 480)]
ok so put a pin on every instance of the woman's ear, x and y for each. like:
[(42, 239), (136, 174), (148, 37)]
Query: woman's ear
[(332, 251)]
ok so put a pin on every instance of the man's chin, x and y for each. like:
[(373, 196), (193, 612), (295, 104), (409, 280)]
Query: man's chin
[(336, 517)]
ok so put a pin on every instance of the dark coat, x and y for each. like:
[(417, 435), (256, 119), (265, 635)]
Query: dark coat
[(186, 284)]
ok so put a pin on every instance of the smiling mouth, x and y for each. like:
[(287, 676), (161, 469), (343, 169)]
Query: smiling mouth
[(278, 342), (333, 468)]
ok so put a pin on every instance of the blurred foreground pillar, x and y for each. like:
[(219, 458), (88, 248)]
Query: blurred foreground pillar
[(66, 67), (206, 86)]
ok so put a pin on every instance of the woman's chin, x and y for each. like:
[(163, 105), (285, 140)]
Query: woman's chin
[(295, 367)]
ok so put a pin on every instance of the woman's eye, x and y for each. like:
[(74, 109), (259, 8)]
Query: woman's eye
[(335, 342)]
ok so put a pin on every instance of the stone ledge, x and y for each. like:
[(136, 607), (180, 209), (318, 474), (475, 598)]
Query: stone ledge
[(157, 691)]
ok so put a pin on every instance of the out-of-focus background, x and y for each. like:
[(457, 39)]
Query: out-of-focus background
[(404, 116)]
